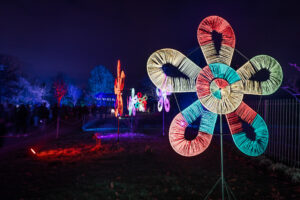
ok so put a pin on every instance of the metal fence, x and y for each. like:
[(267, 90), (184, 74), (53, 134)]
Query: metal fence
[(283, 120)]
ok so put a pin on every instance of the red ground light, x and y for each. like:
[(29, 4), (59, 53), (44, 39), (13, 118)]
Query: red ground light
[(78, 152), (33, 151)]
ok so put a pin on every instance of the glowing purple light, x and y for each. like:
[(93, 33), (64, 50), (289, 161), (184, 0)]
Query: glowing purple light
[(114, 135), (163, 100)]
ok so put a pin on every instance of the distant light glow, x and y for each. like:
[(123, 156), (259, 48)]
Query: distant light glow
[(33, 151), (60, 90), (295, 66), (141, 104), (122, 135), (132, 100), (163, 101)]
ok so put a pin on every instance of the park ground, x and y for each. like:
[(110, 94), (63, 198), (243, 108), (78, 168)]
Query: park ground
[(143, 166)]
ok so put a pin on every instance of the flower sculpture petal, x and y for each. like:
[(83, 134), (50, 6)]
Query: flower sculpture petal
[(220, 89), (196, 146), (204, 35), (118, 88), (178, 60)]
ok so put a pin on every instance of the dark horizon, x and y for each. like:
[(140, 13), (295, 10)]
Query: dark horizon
[(73, 37)]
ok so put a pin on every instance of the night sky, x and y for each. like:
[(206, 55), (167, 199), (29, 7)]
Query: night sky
[(74, 36)]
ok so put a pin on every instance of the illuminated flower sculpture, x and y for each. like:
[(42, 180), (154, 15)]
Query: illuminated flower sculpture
[(163, 101), (141, 104), (119, 86), (220, 89), (131, 101)]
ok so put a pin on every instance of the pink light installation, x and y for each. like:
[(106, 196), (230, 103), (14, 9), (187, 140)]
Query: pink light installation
[(163, 101)]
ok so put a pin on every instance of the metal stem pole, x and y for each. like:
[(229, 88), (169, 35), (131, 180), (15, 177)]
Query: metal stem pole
[(222, 172), (222, 164), (57, 123), (163, 122), (131, 129), (118, 129), (224, 185), (58, 116)]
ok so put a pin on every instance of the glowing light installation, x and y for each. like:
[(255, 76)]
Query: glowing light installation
[(119, 86), (163, 101), (220, 89), (132, 100), (141, 104)]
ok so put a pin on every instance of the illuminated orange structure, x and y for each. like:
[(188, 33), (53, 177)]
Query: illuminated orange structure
[(119, 86)]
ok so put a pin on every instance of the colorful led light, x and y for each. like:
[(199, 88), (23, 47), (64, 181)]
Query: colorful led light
[(131, 101), (141, 104), (220, 89), (163, 101)]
